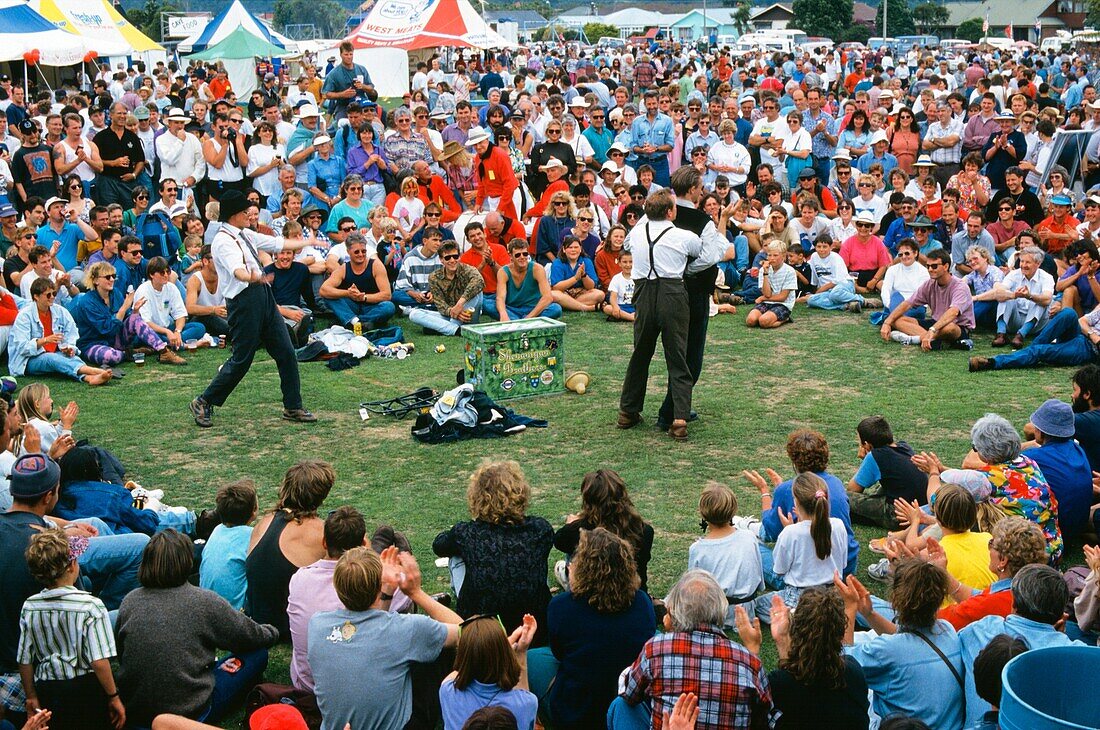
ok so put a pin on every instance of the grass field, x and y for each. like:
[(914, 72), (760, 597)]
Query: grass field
[(825, 371)]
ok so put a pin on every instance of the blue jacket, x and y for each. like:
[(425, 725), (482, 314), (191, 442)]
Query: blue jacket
[(97, 322), (109, 502), (27, 328)]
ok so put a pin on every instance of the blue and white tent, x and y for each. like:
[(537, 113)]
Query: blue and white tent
[(233, 17), (23, 29)]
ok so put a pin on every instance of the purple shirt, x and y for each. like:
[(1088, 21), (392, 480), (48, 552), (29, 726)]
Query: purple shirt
[(940, 298), (311, 592), (455, 133)]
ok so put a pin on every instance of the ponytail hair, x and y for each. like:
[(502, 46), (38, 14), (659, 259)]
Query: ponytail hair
[(812, 495)]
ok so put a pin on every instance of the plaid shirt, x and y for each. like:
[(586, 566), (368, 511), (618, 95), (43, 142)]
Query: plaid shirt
[(729, 681)]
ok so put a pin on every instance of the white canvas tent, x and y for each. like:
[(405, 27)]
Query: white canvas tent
[(227, 21), (23, 30)]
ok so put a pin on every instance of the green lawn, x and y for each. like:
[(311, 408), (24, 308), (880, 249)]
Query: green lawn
[(825, 371)]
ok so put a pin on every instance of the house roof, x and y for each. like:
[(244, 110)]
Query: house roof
[(774, 7), (523, 17), (717, 16), (1018, 12), (863, 13)]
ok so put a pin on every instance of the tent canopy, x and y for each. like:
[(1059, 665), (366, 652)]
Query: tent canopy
[(233, 17), (414, 24), (101, 27), (23, 29), (239, 44)]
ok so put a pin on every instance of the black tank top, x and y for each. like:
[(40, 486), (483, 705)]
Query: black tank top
[(363, 282), (269, 572)]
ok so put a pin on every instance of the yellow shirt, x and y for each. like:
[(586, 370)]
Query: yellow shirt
[(968, 559)]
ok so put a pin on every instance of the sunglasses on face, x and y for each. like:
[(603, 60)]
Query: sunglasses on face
[(521, 255), (432, 215), (49, 294), (561, 202), (865, 225), (449, 257), (584, 220)]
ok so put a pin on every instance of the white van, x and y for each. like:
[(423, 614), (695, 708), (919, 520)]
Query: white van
[(997, 41)]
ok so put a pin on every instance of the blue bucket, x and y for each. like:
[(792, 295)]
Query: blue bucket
[(1051, 689)]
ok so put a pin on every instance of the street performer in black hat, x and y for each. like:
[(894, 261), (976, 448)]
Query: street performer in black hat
[(254, 317)]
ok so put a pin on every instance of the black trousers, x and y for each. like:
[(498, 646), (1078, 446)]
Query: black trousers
[(114, 190), (698, 319), (661, 310), (254, 320), (214, 324)]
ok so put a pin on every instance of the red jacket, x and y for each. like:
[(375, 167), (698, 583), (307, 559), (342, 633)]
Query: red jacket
[(8, 310), (512, 229), (496, 179), (437, 192), (538, 210), (977, 607)]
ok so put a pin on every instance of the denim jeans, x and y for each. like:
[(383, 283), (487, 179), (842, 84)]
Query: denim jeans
[(767, 561), (191, 331), (372, 315), (230, 687), (1020, 316), (440, 322), (375, 193), (457, 568), (623, 716), (985, 314), (489, 306), (111, 564), (553, 311), (836, 298), (401, 298), (50, 363), (1059, 343)]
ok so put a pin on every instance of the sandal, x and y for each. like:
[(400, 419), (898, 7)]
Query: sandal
[(878, 545)]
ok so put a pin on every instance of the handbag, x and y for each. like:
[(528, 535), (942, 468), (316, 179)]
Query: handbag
[(795, 166)]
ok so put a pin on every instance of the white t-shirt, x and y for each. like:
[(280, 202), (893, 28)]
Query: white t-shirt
[(783, 279), (733, 560), (903, 279), (766, 129), (876, 206), (408, 212), (828, 270), (797, 561), (163, 307), (622, 288), (260, 155)]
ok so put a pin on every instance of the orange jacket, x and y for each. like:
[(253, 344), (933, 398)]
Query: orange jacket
[(496, 179)]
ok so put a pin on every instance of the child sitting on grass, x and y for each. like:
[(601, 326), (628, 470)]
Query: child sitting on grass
[(796, 259), (777, 282), (956, 513), (620, 292), (66, 642), (223, 558), (729, 554)]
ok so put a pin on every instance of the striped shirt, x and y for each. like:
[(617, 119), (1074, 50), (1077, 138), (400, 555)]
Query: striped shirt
[(415, 270), (62, 631)]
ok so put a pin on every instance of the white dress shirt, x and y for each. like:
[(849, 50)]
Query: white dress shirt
[(670, 254), (231, 252)]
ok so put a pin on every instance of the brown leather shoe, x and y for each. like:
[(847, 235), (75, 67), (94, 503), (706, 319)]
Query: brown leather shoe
[(1017, 341), (678, 430), (978, 364), (169, 357), (629, 420), (1000, 340)]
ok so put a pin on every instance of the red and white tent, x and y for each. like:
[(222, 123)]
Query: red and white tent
[(415, 24)]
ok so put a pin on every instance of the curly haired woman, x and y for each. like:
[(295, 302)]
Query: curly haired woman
[(503, 550), (596, 630), (816, 685), (606, 503)]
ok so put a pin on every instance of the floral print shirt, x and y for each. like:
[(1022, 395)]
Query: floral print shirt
[(1020, 489)]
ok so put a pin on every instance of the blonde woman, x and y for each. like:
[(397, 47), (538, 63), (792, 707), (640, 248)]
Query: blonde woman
[(498, 564)]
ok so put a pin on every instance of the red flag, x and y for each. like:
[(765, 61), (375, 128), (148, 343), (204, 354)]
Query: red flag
[(1008, 32)]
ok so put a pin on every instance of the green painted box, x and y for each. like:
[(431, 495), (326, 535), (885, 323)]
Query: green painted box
[(516, 359)]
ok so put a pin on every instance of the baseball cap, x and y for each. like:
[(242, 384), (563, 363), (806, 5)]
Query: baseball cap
[(141, 113), (28, 126), (6, 210)]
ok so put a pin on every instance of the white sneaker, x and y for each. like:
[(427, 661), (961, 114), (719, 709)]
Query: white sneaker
[(748, 523), (561, 572), (904, 339), (880, 570)]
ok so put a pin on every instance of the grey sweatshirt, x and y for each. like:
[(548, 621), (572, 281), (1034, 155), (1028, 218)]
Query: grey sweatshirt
[(167, 638)]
